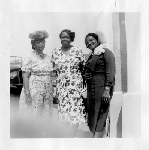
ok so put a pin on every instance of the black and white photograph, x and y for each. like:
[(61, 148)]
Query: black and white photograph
[(74, 75)]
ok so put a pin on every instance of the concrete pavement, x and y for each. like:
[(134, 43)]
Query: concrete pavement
[(38, 129)]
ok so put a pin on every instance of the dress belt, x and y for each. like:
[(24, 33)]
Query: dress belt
[(41, 74), (99, 73)]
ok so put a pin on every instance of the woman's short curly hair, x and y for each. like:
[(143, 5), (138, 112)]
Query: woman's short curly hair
[(71, 34), (93, 35)]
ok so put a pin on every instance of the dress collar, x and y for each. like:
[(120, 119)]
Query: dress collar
[(42, 56), (98, 50)]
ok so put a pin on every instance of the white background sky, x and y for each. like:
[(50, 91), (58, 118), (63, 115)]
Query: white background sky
[(24, 23)]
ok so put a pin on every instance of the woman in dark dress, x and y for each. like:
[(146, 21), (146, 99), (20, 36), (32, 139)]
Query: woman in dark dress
[(99, 73)]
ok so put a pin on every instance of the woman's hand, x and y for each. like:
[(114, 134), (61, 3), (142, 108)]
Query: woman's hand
[(54, 73), (28, 98), (106, 95), (84, 94), (88, 76)]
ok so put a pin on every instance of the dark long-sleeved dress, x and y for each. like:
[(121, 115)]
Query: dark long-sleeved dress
[(102, 68)]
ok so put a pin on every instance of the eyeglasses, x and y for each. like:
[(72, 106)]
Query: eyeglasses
[(40, 42)]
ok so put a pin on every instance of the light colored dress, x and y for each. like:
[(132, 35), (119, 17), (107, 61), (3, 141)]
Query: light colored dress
[(40, 86), (69, 85)]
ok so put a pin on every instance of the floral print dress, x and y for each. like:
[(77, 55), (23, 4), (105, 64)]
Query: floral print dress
[(40, 86), (69, 85)]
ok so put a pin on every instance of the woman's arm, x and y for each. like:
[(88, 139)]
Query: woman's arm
[(26, 76), (110, 68), (81, 68), (26, 69), (110, 74)]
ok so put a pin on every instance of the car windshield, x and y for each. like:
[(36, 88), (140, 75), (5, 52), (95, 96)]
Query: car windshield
[(15, 59)]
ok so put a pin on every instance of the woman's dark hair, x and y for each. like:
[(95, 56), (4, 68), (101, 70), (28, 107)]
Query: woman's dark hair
[(33, 47), (93, 35), (32, 42), (71, 34)]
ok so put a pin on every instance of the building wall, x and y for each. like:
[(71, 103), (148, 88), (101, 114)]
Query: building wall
[(125, 110), (131, 109)]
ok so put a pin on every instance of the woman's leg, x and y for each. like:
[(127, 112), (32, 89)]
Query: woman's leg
[(97, 134), (48, 108), (105, 130), (70, 129), (74, 130), (107, 127), (100, 134), (103, 135)]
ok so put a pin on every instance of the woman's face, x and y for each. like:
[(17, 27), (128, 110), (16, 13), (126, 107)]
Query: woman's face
[(39, 45), (65, 39), (91, 42)]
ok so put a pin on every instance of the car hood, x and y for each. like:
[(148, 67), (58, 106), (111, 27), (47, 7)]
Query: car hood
[(15, 66)]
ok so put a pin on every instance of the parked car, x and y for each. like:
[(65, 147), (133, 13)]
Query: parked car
[(16, 80), (15, 72)]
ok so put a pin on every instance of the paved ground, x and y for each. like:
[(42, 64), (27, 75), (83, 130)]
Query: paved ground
[(28, 128)]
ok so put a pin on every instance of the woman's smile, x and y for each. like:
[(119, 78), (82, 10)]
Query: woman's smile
[(91, 42), (91, 45), (65, 39)]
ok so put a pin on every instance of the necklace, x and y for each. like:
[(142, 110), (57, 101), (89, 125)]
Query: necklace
[(40, 55)]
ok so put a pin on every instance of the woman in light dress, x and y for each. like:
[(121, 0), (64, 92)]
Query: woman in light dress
[(66, 60), (36, 98)]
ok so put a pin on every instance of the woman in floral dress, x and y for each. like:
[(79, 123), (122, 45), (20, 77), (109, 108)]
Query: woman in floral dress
[(66, 61), (36, 97)]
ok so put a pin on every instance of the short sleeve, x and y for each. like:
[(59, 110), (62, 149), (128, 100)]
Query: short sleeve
[(49, 62), (26, 64), (53, 56), (54, 59)]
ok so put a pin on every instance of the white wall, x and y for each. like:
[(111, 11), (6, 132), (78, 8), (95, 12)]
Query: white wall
[(131, 110)]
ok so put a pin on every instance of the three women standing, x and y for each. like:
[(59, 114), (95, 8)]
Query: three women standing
[(99, 73)]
